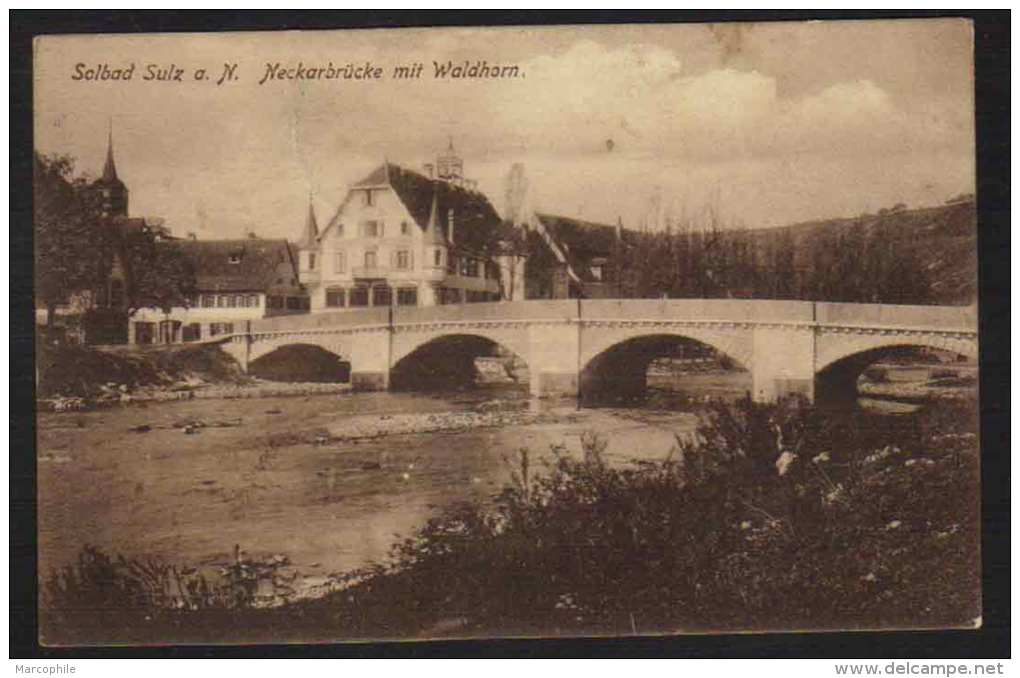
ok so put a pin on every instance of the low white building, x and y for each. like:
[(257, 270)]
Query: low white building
[(236, 281)]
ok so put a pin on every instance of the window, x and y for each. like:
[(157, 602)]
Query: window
[(208, 301), (596, 272), (451, 264), (145, 333), (403, 260), (274, 302), (368, 197), (469, 268), (293, 303), (223, 301), (405, 228), (407, 296), (370, 259), (359, 296), (449, 295), (340, 262), (336, 297), (191, 332), (311, 261), (382, 295), (371, 229), (220, 328), (438, 258), (253, 300)]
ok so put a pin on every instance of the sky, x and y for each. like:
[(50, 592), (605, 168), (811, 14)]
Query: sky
[(764, 124)]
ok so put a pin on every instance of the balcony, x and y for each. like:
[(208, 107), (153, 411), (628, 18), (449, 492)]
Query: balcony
[(369, 271)]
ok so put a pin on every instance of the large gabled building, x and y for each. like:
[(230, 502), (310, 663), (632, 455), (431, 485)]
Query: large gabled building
[(404, 238)]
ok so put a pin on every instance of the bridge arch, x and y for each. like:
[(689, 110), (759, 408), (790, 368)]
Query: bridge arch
[(619, 371), (832, 347), (300, 362), (448, 360), (839, 367)]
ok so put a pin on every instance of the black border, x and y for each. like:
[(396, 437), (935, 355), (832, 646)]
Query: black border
[(992, 79)]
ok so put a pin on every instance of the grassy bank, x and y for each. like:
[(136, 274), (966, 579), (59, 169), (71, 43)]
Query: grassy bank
[(94, 372), (775, 517)]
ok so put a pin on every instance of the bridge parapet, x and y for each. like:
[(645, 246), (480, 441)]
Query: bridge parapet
[(316, 321), (724, 310), (553, 309), (939, 318)]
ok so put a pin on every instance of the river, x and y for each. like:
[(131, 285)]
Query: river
[(262, 473)]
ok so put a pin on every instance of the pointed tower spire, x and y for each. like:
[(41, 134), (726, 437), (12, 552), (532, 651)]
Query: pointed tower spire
[(311, 231), (110, 168), (433, 231)]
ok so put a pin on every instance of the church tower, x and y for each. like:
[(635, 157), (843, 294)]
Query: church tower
[(112, 190), (450, 166)]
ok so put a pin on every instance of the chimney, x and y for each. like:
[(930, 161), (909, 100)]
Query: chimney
[(450, 222), (619, 228), (430, 170)]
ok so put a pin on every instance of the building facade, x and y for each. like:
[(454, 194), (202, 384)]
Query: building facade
[(404, 238), (573, 258), (235, 281)]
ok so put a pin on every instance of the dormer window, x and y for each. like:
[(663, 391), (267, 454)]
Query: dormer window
[(234, 258)]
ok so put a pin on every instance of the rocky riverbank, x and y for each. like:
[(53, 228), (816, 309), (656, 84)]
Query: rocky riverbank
[(119, 394)]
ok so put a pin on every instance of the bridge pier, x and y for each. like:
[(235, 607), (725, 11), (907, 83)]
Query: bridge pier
[(371, 360), (783, 363), (553, 360)]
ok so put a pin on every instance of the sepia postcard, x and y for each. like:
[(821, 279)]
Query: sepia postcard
[(489, 332)]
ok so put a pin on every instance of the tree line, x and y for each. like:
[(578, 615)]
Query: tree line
[(858, 262)]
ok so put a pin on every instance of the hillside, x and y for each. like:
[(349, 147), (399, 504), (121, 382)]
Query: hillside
[(942, 240)]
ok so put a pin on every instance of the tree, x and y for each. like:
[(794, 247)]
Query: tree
[(71, 252), (76, 246), (161, 276)]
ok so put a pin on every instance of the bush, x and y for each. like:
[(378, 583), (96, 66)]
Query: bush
[(775, 517)]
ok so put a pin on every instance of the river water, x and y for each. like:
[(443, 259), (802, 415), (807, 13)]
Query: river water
[(262, 474)]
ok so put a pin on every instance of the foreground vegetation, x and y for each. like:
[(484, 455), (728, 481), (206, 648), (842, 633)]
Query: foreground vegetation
[(779, 517)]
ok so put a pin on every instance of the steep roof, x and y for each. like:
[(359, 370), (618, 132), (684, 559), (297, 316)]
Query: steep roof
[(242, 265), (579, 241), (476, 222), (310, 232), (109, 176)]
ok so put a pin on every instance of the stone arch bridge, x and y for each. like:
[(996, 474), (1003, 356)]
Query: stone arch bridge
[(575, 347)]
